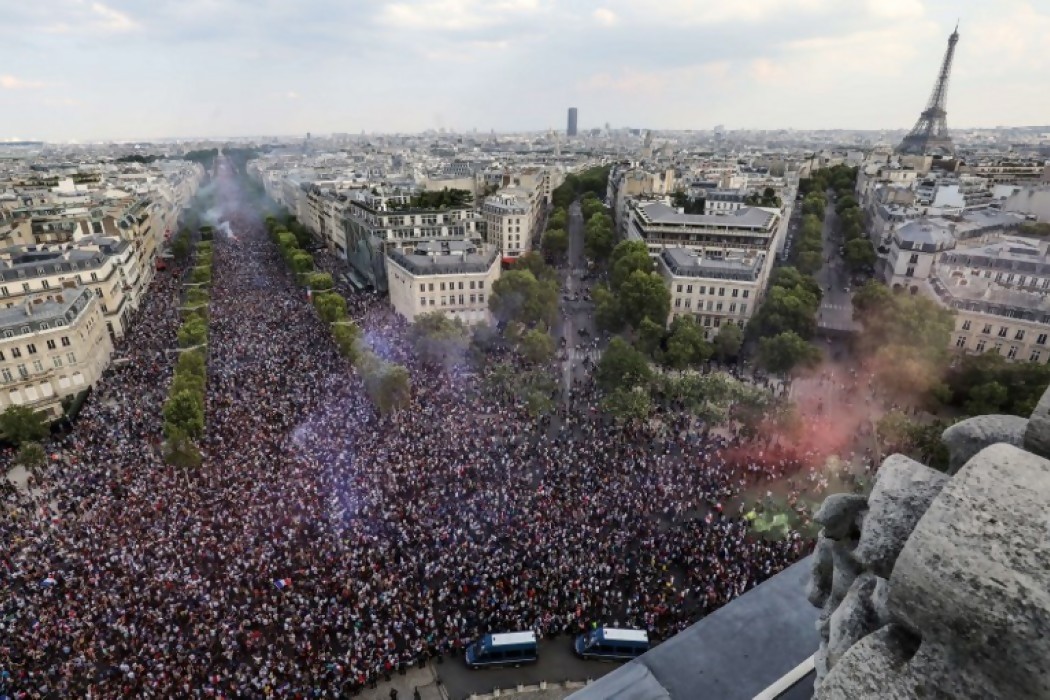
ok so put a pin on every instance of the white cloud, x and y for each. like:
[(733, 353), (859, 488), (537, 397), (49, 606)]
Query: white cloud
[(705, 12), (605, 16), (895, 9), (10, 82), (82, 17), (455, 15), (291, 95)]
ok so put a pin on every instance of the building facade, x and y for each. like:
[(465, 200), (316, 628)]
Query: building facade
[(717, 291), (571, 127), (511, 217), (451, 277), (52, 349)]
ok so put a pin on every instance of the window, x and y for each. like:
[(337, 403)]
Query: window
[(987, 330), (703, 290), (423, 287), (689, 289), (45, 284), (433, 301), (16, 352), (461, 285), (1012, 354), (444, 301), (1003, 331), (31, 348), (2, 358), (718, 306), (72, 358), (980, 346), (57, 360), (481, 298), (25, 286), (422, 301), (679, 289), (22, 371), (65, 341), (1034, 357), (960, 342), (966, 325), (732, 308), (910, 272), (4, 292), (721, 291), (914, 258), (461, 297), (38, 366), (747, 292), (743, 309), (94, 277), (472, 284), (688, 303), (678, 302), (442, 286), (431, 287), (1041, 339), (735, 292), (1019, 335), (473, 298), (8, 377), (481, 284)]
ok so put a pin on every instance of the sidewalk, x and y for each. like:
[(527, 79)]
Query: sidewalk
[(421, 678)]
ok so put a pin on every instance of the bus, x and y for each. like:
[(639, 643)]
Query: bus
[(503, 649), (612, 644)]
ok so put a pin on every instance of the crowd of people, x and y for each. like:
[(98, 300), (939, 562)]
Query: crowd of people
[(321, 545)]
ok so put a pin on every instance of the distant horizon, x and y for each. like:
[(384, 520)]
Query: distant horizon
[(482, 132)]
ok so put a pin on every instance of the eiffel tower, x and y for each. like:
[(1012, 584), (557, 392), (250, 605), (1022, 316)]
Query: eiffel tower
[(930, 133)]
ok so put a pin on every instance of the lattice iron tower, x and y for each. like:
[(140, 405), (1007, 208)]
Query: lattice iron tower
[(930, 133)]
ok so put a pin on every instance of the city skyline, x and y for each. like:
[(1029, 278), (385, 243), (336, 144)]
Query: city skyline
[(83, 71)]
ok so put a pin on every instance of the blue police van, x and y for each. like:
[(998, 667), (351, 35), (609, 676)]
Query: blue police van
[(612, 644), (503, 649)]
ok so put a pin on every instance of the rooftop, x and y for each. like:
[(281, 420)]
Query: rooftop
[(445, 258), (689, 263), (40, 314), (745, 218), (734, 653)]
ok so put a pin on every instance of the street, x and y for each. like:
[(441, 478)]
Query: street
[(836, 307), (577, 313)]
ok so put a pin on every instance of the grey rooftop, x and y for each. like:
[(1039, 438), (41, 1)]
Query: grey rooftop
[(734, 653), (747, 217)]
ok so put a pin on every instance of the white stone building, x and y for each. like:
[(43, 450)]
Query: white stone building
[(451, 277), (716, 290), (512, 216), (51, 349)]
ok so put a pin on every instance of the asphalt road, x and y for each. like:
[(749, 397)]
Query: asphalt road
[(557, 663), (576, 312), (836, 307)]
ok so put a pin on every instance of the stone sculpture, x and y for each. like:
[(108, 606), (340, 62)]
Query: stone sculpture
[(938, 586)]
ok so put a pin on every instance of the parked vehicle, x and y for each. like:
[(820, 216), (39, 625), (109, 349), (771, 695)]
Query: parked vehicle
[(503, 649), (612, 644)]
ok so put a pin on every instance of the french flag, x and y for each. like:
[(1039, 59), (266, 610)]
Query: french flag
[(49, 581), (282, 583)]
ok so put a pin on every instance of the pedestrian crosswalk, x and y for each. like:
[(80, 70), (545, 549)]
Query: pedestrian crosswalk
[(839, 307), (579, 355)]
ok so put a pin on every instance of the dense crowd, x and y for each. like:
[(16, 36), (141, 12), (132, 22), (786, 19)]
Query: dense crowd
[(320, 545)]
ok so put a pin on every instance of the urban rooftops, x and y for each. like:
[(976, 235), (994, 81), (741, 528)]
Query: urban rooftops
[(445, 258), (690, 263), (747, 218), (39, 313)]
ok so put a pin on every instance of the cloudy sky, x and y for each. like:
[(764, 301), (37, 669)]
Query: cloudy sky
[(113, 69)]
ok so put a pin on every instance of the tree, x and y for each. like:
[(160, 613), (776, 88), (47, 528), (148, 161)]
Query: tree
[(628, 404), (727, 342), (331, 307), (622, 366), (319, 282), (814, 204), (783, 353), (439, 339), (555, 243), (201, 275), (626, 265), (1025, 382), (191, 362), (346, 335), (187, 381), (987, 398), (301, 262), (644, 295), (180, 247), (606, 309), (388, 385), (31, 455), (197, 295), (598, 237), (184, 411), (536, 346), (860, 255), (844, 203), (534, 263), (193, 332), (179, 450), (590, 207), (651, 338), (518, 296), (558, 219), (21, 424), (809, 262), (686, 344)]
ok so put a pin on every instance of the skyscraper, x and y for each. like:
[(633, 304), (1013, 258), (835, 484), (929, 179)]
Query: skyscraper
[(571, 130)]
